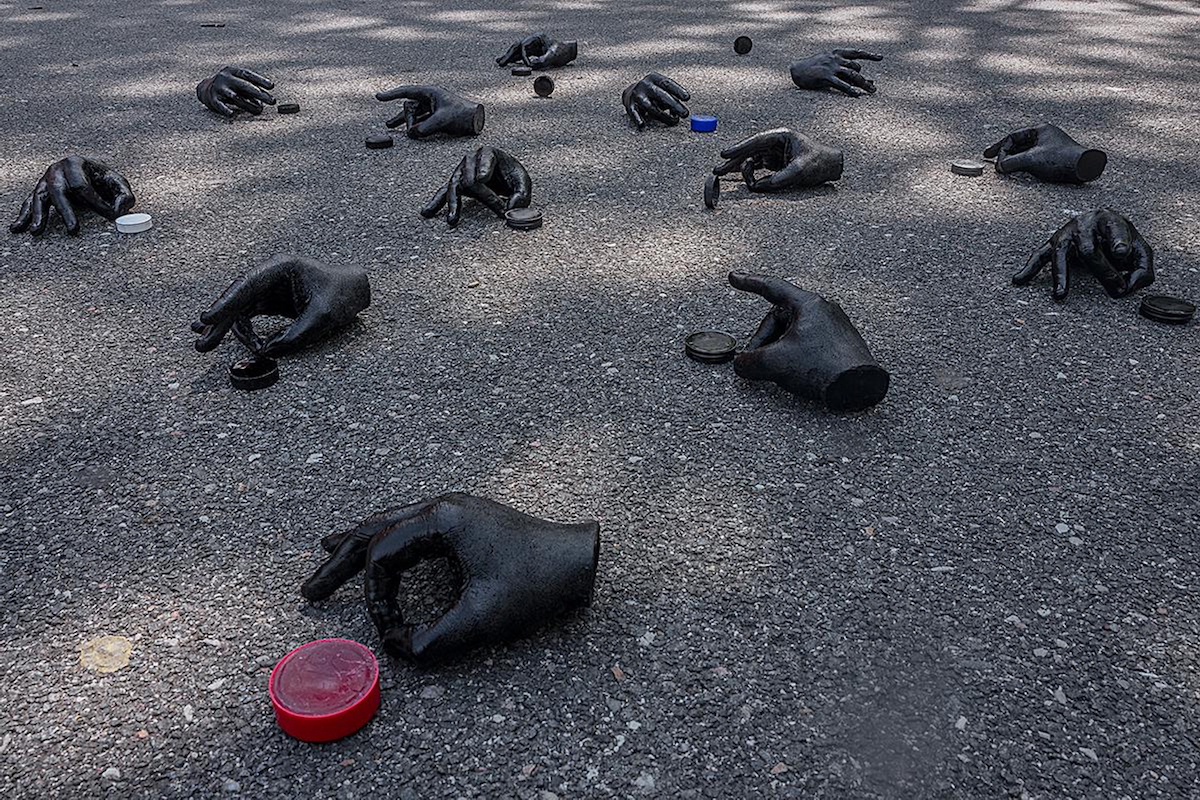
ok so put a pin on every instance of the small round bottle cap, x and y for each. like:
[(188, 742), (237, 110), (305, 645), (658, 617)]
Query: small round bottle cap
[(380, 142), (134, 223), (522, 72), (543, 85), (523, 219), (742, 45), (288, 108), (703, 124), (1171, 310), (712, 191), (710, 347), (325, 690), (972, 169), (257, 372)]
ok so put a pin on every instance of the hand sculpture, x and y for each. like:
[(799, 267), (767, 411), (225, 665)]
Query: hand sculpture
[(319, 298), (1106, 244), (655, 96), (795, 159), (1047, 153), (516, 571), (429, 110), (491, 176), (73, 179), (235, 88), (808, 345), (540, 52), (837, 70)]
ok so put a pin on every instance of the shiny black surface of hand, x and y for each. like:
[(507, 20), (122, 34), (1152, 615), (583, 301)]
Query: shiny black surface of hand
[(70, 181), (321, 299), (235, 89), (516, 571), (808, 345), (1049, 154), (837, 70), (540, 52), (793, 159), (655, 97), (1104, 243), (491, 176), (428, 110)]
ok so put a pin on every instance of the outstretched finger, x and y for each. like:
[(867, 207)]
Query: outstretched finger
[(856, 79), (1059, 268), (59, 198), (669, 100), (1034, 265), (23, 216), (663, 82), (407, 92), (775, 290), (858, 55), (837, 83), (453, 202), (253, 77), (41, 210), (432, 124), (431, 208), (349, 550), (757, 143)]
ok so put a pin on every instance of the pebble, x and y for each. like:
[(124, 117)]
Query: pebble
[(1090, 753), (189, 713), (432, 692), (1075, 540), (1060, 695), (1062, 527), (231, 785), (1041, 652), (961, 724), (315, 458), (112, 774)]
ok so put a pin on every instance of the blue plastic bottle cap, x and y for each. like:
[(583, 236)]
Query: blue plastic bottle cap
[(702, 124)]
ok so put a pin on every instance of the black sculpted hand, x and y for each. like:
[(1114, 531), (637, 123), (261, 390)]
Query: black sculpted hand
[(428, 110), (1103, 242), (516, 571), (793, 159), (657, 97), (837, 70), (491, 176), (69, 181), (1049, 154), (808, 345), (540, 52), (321, 299), (233, 89)]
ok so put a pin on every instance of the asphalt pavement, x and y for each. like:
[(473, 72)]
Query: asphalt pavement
[(984, 587)]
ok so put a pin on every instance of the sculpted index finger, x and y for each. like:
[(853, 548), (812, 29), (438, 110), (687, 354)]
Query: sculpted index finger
[(408, 92), (776, 290)]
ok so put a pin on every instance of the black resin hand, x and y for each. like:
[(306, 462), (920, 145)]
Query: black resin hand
[(657, 97), (837, 70), (1103, 242), (794, 159), (516, 571), (808, 345), (1049, 154), (321, 300), (491, 176), (73, 180), (429, 110), (233, 89), (540, 52)]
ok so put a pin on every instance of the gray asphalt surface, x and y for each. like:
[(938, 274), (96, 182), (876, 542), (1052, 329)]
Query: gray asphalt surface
[(985, 587)]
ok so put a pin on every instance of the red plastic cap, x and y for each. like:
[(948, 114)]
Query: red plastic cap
[(325, 690)]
